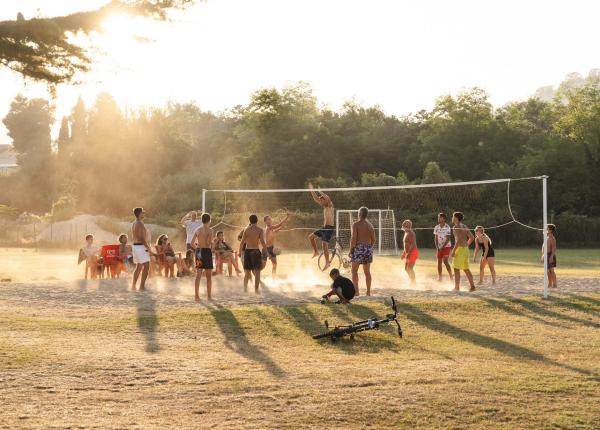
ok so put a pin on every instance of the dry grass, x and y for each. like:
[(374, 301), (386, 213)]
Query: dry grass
[(479, 362)]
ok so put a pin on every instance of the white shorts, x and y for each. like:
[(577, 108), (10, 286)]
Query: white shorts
[(140, 254)]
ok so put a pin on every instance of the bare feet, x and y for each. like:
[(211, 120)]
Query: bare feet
[(316, 254), (456, 289), (480, 283), (133, 288), (197, 299), (472, 288)]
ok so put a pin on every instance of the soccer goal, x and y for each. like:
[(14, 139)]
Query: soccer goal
[(513, 211), (384, 222)]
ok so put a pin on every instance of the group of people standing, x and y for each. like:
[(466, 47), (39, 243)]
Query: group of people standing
[(257, 246)]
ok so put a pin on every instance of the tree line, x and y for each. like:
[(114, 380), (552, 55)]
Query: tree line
[(104, 160)]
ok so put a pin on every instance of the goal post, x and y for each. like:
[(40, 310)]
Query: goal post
[(384, 222)]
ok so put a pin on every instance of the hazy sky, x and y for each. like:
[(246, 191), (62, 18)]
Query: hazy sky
[(398, 54)]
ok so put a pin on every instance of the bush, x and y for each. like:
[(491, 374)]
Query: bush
[(63, 208)]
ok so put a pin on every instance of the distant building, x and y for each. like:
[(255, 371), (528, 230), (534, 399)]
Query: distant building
[(8, 160)]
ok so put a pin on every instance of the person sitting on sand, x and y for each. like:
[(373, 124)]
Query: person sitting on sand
[(341, 287), (187, 266), (160, 254), (169, 257), (225, 254), (90, 253)]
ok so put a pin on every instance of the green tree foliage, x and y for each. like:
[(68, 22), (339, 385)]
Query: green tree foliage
[(163, 157), (28, 123), (42, 49)]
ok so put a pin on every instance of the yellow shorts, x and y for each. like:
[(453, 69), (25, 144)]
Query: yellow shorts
[(461, 258)]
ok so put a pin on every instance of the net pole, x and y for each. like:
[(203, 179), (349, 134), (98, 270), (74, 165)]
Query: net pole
[(337, 224), (545, 221), (379, 238), (203, 200)]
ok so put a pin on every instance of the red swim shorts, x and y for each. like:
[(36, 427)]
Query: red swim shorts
[(444, 252), (412, 257)]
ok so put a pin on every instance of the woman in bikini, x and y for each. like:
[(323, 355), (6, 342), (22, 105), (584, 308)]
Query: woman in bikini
[(484, 242)]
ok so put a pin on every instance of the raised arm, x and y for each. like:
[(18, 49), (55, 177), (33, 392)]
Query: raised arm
[(278, 226), (185, 218)]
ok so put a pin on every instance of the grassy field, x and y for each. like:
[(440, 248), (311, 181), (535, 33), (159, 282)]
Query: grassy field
[(514, 362)]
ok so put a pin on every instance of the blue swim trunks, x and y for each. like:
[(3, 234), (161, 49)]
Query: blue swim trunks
[(362, 254)]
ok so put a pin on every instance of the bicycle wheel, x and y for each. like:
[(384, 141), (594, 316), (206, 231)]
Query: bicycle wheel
[(334, 263)]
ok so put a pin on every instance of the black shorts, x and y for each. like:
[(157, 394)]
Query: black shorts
[(551, 261), (269, 253), (491, 253), (348, 292), (325, 233), (204, 258), (252, 259)]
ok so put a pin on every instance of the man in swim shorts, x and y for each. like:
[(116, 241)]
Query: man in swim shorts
[(325, 233), (140, 249), (460, 253), (203, 239), (252, 237), (270, 234), (341, 287), (411, 252), (361, 248)]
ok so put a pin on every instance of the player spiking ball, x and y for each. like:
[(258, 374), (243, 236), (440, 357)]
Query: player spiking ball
[(326, 232)]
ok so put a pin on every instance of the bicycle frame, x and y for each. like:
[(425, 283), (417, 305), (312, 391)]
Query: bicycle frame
[(369, 324)]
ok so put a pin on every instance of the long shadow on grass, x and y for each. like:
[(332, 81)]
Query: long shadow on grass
[(147, 319), (590, 305), (501, 346), (237, 340), (543, 311), (505, 307), (305, 320)]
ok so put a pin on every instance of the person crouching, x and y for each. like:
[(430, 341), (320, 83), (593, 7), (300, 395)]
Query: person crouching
[(341, 287)]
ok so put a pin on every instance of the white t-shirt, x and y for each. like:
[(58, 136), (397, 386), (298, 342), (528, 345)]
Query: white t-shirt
[(90, 250), (442, 232), (190, 229)]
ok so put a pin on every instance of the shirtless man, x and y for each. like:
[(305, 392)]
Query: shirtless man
[(326, 232), (203, 238), (270, 233), (411, 252), (140, 249), (460, 253), (252, 236), (551, 255), (361, 248)]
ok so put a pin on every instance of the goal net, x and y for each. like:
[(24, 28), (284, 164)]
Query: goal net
[(383, 221), (509, 209)]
